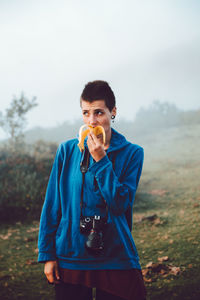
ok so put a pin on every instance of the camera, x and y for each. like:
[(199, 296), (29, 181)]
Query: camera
[(85, 224), (93, 227)]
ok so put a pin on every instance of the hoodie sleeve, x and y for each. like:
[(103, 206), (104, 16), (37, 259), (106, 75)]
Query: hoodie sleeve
[(50, 215), (118, 194)]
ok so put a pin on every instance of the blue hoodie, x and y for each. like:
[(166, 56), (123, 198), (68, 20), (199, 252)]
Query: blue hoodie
[(114, 180)]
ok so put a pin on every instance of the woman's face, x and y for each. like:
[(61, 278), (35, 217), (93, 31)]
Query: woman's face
[(97, 113)]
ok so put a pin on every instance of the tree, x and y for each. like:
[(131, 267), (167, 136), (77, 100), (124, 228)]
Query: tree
[(14, 120), (158, 115)]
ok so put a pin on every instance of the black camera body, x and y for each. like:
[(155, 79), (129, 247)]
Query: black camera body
[(93, 227)]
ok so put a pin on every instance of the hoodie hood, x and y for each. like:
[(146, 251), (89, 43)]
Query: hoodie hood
[(118, 141)]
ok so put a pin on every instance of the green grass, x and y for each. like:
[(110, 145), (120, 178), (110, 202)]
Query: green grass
[(21, 277), (171, 165)]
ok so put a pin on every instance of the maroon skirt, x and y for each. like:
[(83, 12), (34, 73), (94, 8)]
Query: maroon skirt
[(127, 284)]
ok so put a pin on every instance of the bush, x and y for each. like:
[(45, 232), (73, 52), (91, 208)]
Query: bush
[(23, 181)]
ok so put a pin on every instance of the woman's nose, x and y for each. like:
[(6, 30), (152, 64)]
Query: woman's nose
[(92, 120)]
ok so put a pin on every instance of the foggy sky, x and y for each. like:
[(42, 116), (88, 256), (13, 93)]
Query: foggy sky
[(146, 50)]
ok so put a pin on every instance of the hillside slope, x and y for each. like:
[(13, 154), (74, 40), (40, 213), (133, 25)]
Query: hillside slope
[(167, 213)]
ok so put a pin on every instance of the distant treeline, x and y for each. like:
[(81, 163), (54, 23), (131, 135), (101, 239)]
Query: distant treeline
[(164, 115), (157, 116)]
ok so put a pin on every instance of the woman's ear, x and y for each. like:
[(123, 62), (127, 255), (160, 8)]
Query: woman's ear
[(114, 111)]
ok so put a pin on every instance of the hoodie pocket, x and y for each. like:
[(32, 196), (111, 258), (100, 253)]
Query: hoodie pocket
[(69, 241)]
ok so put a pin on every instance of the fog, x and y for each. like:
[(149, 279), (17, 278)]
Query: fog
[(146, 50)]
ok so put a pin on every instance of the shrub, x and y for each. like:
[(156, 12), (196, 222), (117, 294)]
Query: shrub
[(23, 181)]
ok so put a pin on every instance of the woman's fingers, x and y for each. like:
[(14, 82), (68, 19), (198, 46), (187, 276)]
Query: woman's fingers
[(95, 147), (51, 271), (97, 139), (57, 272), (48, 271), (91, 138), (94, 141), (90, 142)]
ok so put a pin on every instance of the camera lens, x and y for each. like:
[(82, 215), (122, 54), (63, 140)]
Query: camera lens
[(95, 242), (85, 224), (87, 219)]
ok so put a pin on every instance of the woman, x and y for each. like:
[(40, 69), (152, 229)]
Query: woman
[(85, 236)]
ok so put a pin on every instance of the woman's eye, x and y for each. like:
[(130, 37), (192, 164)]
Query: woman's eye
[(99, 113), (85, 113)]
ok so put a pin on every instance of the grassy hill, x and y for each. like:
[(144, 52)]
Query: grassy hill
[(165, 229), (170, 190)]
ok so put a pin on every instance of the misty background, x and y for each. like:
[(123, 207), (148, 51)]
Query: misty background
[(146, 50), (149, 52)]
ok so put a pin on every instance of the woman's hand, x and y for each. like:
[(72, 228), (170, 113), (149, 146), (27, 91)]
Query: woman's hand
[(51, 271), (95, 146)]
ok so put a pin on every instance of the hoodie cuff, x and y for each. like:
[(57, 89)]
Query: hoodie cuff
[(44, 256), (99, 166)]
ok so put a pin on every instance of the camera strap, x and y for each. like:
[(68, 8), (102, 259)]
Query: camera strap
[(84, 168)]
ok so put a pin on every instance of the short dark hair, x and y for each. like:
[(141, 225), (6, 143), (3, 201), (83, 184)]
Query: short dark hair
[(99, 90)]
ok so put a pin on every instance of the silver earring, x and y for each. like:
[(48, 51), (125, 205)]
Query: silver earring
[(113, 117)]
